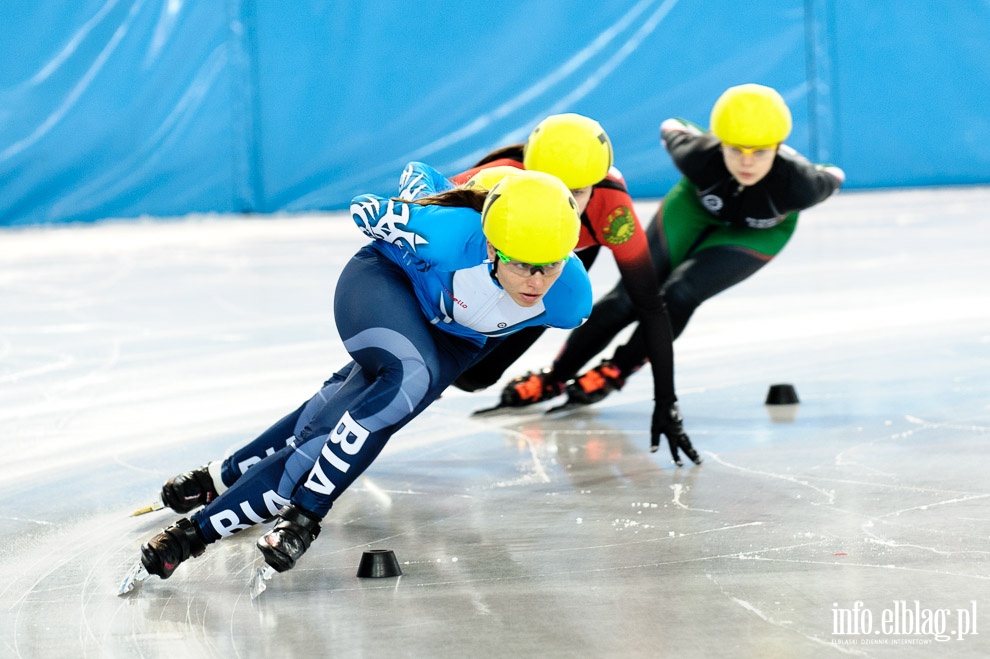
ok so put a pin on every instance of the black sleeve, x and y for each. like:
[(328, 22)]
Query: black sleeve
[(807, 184), (692, 153)]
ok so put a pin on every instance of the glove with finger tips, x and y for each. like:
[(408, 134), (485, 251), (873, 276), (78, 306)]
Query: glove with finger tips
[(667, 420)]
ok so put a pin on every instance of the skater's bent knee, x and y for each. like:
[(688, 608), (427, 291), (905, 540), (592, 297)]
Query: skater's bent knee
[(471, 382)]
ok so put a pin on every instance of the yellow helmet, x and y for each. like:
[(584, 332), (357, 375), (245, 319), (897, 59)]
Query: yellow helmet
[(488, 177), (531, 217), (572, 147), (751, 115)]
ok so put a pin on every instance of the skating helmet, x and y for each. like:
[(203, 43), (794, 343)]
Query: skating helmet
[(531, 217), (751, 115), (572, 147), (488, 177)]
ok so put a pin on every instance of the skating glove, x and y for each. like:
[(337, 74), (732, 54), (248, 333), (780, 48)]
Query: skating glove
[(667, 420)]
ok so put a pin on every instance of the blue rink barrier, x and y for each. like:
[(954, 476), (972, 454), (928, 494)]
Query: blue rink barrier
[(127, 109)]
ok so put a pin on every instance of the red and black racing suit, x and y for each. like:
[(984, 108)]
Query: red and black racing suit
[(609, 220)]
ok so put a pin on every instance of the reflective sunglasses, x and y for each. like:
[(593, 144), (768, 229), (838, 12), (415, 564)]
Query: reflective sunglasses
[(528, 269)]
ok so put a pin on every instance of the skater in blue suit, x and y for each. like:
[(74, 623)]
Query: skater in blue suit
[(449, 270)]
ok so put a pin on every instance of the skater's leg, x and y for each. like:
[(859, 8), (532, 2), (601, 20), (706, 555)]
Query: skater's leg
[(254, 498), (707, 273), (276, 437), (267, 443), (403, 364), (200, 486), (265, 488)]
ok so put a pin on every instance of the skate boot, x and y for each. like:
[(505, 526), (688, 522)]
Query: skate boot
[(531, 388), (294, 532), (163, 553), (595, 385), (189, 490)]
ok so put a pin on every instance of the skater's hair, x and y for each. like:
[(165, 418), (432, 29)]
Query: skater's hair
[(512, 152), (473, 198)]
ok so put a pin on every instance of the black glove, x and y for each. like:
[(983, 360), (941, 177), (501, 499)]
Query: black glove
[(667, 420)]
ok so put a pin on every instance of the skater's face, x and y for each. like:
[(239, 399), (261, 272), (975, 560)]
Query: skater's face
[(526, 284), (582, 196), (748, 165)]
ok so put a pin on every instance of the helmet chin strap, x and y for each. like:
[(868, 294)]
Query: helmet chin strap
[(493, 258), (494, 271)]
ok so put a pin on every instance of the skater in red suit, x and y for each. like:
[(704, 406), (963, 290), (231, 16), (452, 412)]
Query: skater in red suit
[(732, 212), (577, 150)]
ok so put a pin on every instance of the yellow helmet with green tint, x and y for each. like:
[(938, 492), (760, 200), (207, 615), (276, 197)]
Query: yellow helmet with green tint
[(532, 217), (751, 115), (572, 147)]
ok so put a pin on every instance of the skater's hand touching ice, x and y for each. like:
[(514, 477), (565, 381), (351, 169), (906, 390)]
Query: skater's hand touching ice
[(667, 420)]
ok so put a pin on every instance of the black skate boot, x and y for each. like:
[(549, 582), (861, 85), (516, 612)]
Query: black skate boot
[(288, 541), (595, 385), (533, 387), (163, 553), (189, 490)]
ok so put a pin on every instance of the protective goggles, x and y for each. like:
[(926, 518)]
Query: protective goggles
[(753, 151), (528, 269)]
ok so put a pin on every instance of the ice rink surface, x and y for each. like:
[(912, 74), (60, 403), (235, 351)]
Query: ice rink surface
[(855, 524)]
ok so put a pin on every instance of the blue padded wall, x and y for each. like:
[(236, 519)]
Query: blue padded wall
[(129, 108)]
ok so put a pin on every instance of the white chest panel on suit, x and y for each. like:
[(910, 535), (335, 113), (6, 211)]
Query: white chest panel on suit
[(481, 304)]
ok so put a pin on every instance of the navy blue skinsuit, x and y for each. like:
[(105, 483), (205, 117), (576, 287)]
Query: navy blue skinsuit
[(414, 308)]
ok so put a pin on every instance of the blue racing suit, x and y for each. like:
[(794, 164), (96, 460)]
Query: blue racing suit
[(414, 308)]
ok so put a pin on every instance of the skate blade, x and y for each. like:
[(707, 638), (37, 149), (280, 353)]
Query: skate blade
[(495, 409), (157, 505), (508, 410), (566, 407), (135, 577), (259, 582)]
